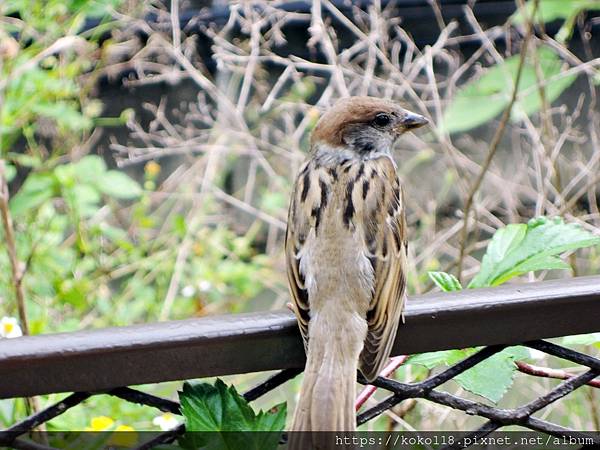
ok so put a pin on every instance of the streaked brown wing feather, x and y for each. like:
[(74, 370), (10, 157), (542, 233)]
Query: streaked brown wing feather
[(389, 263), (298, 228)]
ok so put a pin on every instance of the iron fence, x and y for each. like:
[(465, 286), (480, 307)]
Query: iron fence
[(101, 362)]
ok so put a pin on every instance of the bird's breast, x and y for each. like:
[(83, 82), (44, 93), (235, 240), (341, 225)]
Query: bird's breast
[(342, 213)]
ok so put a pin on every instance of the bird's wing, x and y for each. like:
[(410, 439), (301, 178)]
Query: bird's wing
[(385, 238), (298, 228)]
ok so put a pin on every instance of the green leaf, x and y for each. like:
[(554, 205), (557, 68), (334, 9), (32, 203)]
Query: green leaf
[(179, 225), (273, 201), (504, 240), (113, 233), (74, 292), (37, 188), (86, 199), (99, 9), (551, 66), (232, 423), (65, 114), (117, 184), (480, 100), (9, 172), (434, 359), (445, 281), (551, 10), (25, 160), (492, 377), (90, 167), (518, 249), (582, 339), (65, 175)]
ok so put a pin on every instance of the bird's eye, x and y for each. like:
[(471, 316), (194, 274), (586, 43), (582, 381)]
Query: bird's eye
[(382, 120)]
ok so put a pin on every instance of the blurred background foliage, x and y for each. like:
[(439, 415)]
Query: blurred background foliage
[(149, 165)]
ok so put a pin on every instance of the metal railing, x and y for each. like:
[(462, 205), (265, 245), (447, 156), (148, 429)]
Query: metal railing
[(100, 362)]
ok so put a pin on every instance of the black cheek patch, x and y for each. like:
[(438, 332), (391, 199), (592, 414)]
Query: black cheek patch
[(364, 145)]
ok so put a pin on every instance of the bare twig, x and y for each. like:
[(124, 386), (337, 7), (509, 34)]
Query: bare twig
[(547, 372), (493, 145), (175, 26)]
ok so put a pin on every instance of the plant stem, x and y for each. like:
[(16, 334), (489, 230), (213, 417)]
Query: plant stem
[(369, 390), (547, 372), (18, 270), (591, 394), (494, 144), (11, 248)]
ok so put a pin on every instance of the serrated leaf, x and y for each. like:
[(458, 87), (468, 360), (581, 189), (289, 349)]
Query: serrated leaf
[(512, 253), (504, 240), (492, 377), (227, 420), (434, 359), (118, 185), (445, 281)]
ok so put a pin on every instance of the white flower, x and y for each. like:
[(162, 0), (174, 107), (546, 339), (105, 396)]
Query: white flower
[(188, 291), (204, 286), (9, 328), (166, 422)]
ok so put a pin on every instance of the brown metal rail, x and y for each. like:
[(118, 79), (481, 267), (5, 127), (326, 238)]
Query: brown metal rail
[(98, 360)]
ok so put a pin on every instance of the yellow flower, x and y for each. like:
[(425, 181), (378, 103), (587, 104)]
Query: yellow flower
[(9, 328), (152, 168), (100, 423), (124, 436)]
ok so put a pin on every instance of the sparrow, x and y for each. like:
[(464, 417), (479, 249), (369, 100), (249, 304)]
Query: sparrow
[(346, 250)]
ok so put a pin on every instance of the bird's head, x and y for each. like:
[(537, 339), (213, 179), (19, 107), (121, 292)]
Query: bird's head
[(365, 125)]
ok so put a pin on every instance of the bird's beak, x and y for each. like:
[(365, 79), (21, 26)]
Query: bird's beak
[(412, 120)]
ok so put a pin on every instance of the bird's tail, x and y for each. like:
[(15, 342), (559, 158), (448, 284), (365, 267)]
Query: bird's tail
[(329, 386)]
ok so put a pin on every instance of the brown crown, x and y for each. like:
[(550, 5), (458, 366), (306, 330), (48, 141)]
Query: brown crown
[(331, 126)]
